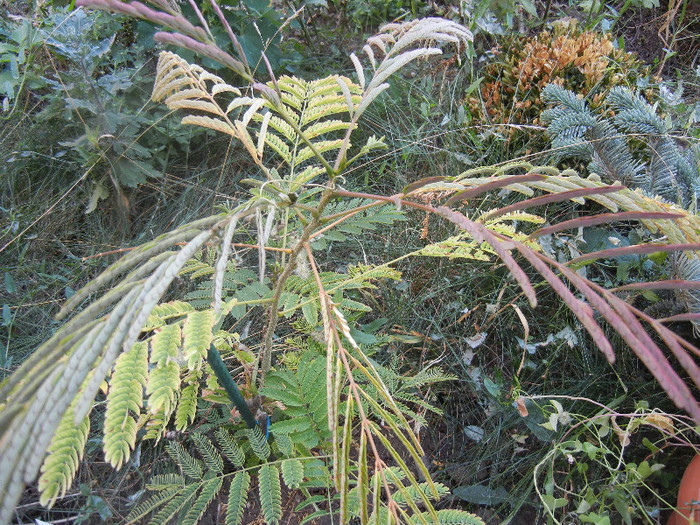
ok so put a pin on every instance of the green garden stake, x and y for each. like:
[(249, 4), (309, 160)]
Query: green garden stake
[(224, 377)]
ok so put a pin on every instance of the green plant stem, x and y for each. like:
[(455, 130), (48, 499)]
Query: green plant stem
[(224, 377), (266, 350)]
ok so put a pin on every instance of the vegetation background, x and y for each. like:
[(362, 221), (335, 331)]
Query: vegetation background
[(520, 417)]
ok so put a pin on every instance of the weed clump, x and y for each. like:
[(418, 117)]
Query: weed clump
[(581, 61)]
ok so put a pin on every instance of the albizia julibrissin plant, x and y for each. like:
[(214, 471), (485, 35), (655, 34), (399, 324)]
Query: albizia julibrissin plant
[(304, 129)]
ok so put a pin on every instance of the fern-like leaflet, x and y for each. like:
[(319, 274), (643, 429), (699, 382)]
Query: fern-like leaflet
[(65, 453), (270, 493), (124, 404), (237, 498)]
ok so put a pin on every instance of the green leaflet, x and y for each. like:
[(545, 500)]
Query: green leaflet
[(212, 459), (190, 466), (197, 334), (270, 493), (292, 472), (187, 406), (237, 498), (182, 498), (258, 443), (209, 491), (124, 404), (65, 452), (152, 503), (449, 517), (164, 377), (229, 447), (164, 312)]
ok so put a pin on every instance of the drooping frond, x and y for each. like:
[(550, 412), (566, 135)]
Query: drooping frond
[(399, 44), (188, 86), (182, 32), (86, 348), (679, 227)]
